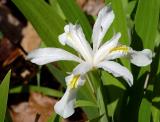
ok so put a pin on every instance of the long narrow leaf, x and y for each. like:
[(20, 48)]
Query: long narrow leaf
[(146, 21), (4, 87)]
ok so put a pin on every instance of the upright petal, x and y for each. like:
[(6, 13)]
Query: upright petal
[(141, 58), (105, 48), (103, 22), (47, 55), (74, 37), (117, 70), (65, 107)]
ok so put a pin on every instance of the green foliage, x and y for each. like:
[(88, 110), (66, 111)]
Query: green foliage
[(146, 21), (4, 88), (120, 24), (40, 89)]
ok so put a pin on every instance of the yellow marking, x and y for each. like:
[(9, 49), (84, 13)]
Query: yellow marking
[(73, 83), (122, 48)]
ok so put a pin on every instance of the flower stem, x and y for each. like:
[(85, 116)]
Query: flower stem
[(98, 86)]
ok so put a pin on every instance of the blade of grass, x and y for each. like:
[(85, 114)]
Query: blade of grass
[(146, 21), (43, 90), (85, 103), (4, 87), (120, 24), (145, 111)]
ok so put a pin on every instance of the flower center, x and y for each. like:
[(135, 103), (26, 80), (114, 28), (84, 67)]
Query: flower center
[(74, 82)]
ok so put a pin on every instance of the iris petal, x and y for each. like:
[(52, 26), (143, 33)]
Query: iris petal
[(47, 55), (103, 22), (117, 70)]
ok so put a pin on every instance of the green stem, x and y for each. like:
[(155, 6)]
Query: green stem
[(98, 86)]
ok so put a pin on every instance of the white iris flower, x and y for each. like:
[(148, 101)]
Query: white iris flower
[(101, 56)]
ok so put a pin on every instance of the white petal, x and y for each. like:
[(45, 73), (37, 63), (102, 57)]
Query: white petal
[(103, 22), (82, 68), (105, 48), (117, 70), (141, 58), (74, 37), (63, 39), (65, 107), (47, 55)]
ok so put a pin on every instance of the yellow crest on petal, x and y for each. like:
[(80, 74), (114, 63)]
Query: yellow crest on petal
[(121, 48), (74, 82)]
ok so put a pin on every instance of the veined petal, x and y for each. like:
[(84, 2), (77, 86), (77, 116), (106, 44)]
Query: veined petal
[(74, 37), (47, 55), (65, 107), (82, 68), (117, 70), (103, 22), (141, 58), (105, 48)]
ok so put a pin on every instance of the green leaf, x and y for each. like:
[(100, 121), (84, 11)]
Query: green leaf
[(4, 87), (120, 24), (47, 22), (130, 7), (43, 90), (146, 21), (85, 103), (96, 119), (54, 118), (74, 14), (155, 114), (145, 111)]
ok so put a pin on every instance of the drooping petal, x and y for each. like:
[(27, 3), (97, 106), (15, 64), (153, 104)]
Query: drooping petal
[(141, 58), (103, 22), (65, 106), (105, 48), (47, 55), (117, 70), (74, 37), (82, 68)]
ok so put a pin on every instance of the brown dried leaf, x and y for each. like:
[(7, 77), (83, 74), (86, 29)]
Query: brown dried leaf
[(31, 40), (8, 52), (92, 7), (38, 107)]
